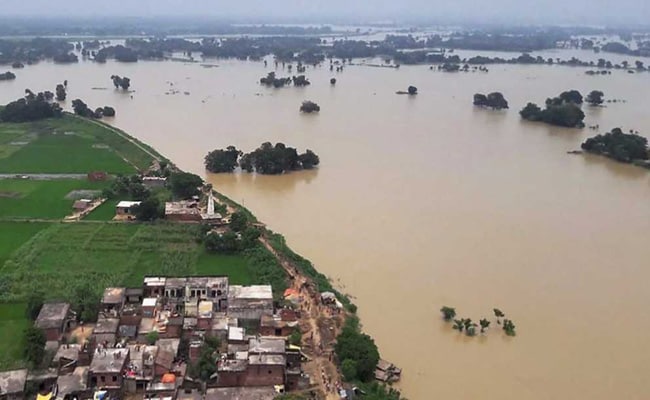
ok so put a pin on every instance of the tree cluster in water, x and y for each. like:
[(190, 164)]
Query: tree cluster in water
[(32, 107), (7, 76), (309, 107), (469, 326), (121, 82), (80, 108), (271, 80), (563, 110), (623, 147), (494, 100), (267, 159)]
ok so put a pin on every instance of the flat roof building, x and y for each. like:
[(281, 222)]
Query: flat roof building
[(250, 302), (52, 320), (12, 384)]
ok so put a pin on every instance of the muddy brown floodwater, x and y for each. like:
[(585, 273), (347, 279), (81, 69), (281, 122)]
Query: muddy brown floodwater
[(427, 201)]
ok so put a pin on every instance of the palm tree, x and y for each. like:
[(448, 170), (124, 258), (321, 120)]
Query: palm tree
[(509, 327), (458, 325), (484, 324), (467, 322), (471, 330), (448, 313), (499, 314)]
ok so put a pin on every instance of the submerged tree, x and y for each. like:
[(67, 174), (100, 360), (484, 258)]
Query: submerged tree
[(333, 81), (309, 107), (494, 100), (595, 98), (222, 160), (499, 314), (412, 90), (121, 82), (458, 325), (60, 92), (448, 313), (484, 324), (509, 327)]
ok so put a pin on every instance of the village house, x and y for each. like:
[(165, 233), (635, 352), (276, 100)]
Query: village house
[(152, 182), (53, 320), (70, 356), (183, 211), (108, 367), (124, 209), (12, 384), (81, 205), (113, 300), (249, 303), (105, 333), (73, 385), (278, 324), (262, 364)]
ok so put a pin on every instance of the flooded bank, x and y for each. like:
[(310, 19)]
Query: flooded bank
[(426, 201)]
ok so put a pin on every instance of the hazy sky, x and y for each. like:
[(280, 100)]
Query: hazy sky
[(514, 11)]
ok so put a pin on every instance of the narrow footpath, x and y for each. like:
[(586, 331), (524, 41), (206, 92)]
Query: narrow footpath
[(319, 327)]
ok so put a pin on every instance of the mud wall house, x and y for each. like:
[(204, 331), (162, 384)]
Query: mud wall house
[(108, 368), (167, 354), (53, 320), (220, 325), (126, 208), (73, 385), (183, 211), (12, 384), (131, 314), (152, 182), (113, 300), (67, 358), (81, 205), (249, 303), (134, 295), (153, 286), (274, 325)]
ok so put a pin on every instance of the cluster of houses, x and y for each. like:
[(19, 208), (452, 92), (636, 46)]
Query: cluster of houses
[(145, 340)]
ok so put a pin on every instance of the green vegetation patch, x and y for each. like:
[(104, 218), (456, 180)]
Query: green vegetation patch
[(67, 145), (104, 212), (15, 234), (13, 323), (69, 255), (46, 199)]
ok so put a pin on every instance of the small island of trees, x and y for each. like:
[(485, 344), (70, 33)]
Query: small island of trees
[(563, 110), (82, 109), (271, 80), (7, 76), (267, 159), (494, 100), (623, 147), (121, 82), (469, 326), (32, 107), (309, 107)]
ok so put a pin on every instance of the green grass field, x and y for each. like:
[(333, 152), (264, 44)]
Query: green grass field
[(66, 255), (67, 145), (105, 212), (27, 198), (13, 323), (15, 234)]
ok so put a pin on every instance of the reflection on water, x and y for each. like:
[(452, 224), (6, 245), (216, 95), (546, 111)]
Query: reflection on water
[(425, 201)]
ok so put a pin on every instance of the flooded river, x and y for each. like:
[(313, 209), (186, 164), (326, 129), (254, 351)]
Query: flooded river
[(427, 201)]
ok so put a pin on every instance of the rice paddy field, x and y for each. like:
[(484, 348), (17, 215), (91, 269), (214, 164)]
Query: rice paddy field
[(42, 199), (67, 145)]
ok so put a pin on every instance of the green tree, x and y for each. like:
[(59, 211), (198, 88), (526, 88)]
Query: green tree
[(226, 243), (34, 345), (34, 304), (459, 325), (595, 98), (349, 369), (309, 107), (295, 338), (308, 159), (484, 324), (184, 185), (448, 313), (509, 327), (152, 337), (250, 236), (360, 348), (149, 209), (238, 221), (222, 160)]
